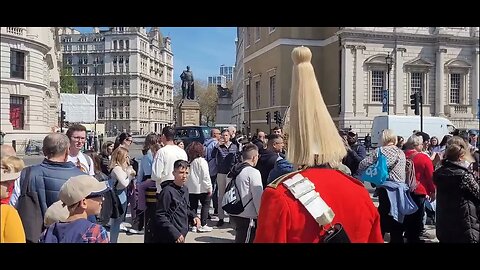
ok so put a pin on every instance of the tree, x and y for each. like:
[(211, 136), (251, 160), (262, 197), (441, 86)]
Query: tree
[(207, 99), (68, 84)]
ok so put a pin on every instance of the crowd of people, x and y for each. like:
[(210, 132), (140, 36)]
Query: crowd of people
[(303, 183)]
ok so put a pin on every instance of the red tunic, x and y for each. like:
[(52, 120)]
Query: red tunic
[(283, 219)]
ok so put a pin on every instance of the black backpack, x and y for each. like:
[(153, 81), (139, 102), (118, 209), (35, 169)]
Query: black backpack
[(232, 200), (28, 207)]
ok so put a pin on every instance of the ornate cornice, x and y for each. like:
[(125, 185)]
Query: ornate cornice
[(362, 35)]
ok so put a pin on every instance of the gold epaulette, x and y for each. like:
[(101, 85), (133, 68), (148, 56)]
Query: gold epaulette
[(280, 179)]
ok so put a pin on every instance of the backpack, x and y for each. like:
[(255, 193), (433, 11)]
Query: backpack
[(74, 234), (232, 200), (28, 207), (410, 178)]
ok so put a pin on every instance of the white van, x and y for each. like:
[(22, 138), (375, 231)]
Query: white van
[(405, 125)]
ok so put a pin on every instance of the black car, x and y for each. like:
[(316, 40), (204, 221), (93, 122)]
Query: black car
[(189, 134)]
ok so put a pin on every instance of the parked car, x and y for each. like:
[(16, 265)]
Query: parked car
[(189, 134)]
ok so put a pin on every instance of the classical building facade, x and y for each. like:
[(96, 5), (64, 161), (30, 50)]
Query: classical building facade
[(29, 79), (352, 70), (442, 63), (133, 69), (238, 83)]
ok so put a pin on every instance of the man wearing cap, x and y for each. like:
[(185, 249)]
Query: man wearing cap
[(300, 206), (83, 196)]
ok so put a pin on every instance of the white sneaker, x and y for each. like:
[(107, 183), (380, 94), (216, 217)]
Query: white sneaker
[(123, 228), (194, 229), (205, 228), (133, 231)]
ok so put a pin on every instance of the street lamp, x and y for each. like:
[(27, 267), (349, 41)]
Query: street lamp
[(389, 62), (95, 102), (249, 87)]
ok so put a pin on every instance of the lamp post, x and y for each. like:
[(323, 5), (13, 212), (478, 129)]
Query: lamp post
[(389, 62), (249, 87), (95, 102)]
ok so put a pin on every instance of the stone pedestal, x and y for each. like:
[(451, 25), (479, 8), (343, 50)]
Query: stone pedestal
[(189, 113)]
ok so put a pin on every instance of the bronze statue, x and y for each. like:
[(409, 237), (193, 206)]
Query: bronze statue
[(187, 84)]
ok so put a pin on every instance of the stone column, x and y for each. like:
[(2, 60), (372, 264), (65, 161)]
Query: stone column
[(475, 85), (399, 86), (359, 89), (439, 82), (347, 82)]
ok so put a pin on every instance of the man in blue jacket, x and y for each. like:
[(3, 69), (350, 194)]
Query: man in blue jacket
[(46, 179)]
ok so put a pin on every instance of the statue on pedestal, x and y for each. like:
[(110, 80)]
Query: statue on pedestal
[(187, 84)]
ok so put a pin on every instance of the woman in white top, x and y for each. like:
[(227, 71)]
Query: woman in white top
[(199, 183), (121, 175)]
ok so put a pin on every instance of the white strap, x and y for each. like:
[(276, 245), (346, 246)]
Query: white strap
[(304, 190)]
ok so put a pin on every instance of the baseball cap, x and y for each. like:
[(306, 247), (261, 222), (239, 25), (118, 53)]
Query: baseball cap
[(80, 187), (56, 212)]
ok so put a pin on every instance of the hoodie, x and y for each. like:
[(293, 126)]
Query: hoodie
[(249, 185), (77, 231), (265, 164)]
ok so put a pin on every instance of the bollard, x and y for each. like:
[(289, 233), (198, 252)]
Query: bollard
[(14, 145), (151, 201)]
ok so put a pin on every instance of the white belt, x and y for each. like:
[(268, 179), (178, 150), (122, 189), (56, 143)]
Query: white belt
[(304, 190)]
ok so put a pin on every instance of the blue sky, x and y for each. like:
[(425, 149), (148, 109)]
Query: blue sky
[(204, 49)]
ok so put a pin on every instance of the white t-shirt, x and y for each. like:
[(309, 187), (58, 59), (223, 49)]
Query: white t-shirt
[(83, 163), (162, 166)]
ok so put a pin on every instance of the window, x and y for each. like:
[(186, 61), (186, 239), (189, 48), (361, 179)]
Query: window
[(127, 114), (69, 60), (378, 84), (17, 112), (120, 103), (272, 91), (416, 83), (100, 103), (249, 40), (127, 44), (114, 103), (257, 34), (257, 91), (121, 114), (114, 44), (120, 60), (455, 88), (101, 115), (121, 44), (114, 114), (114, 83), (17, 64), (114, 59)]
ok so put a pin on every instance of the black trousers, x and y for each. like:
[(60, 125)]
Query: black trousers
[(205, 201), (414, 222), (387, 222), (244, 233)]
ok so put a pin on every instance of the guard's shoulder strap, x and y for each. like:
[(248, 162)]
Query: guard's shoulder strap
[(304, 190), (280, 179)]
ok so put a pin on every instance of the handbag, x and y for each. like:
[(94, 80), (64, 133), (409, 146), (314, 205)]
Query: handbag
[(335, 234), (376, 173)]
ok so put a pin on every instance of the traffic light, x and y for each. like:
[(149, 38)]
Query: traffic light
[(277, 117), (268, 118), (63, 116), (415, 103)]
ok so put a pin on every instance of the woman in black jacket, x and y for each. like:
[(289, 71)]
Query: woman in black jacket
[(458, 196)]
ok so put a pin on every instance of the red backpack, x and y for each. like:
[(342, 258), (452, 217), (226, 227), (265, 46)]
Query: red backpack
[(410, 178)]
